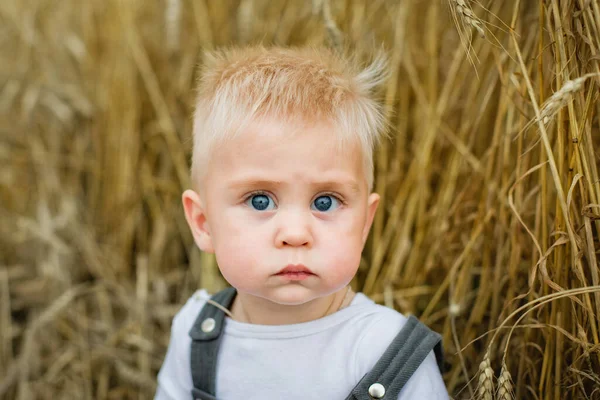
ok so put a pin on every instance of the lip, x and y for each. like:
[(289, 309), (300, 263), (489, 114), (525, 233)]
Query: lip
[(295, 272)]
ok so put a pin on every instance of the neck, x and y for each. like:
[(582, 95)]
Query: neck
[(257, 310)]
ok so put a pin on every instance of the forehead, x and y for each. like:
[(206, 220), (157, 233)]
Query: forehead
[(289, 150)]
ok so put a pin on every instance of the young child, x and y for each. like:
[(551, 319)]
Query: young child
[(282, 171)]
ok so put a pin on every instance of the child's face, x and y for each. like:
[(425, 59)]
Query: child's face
[(272, 200)]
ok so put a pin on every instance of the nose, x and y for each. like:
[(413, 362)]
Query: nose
[(293, 229)]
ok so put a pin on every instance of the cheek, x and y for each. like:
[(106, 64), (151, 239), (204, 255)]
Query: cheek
[(239, 248), (238, 251), (239, 265), (342, 248), (231, 229), (343, 264)]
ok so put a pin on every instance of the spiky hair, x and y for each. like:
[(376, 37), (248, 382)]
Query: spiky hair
[(308, 85)]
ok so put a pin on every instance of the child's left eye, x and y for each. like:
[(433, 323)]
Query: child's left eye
[(325, 203)]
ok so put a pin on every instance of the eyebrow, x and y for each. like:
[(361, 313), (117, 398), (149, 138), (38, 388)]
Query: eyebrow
[(347, 184), (350, 185), (253, 183)]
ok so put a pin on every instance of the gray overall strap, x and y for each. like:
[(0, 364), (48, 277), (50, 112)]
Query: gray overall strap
[(401, 359), (206, 338)]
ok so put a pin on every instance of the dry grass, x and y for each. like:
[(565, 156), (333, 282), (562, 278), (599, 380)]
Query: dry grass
[(490, 213)]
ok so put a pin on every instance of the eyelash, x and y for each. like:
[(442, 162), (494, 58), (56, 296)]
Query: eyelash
[(265, 193), (257, 193), (334, 195)]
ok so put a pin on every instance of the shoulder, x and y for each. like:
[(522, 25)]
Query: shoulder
[(378, 333), (426, 382), (174, 377), (186, 316), (378, 328)]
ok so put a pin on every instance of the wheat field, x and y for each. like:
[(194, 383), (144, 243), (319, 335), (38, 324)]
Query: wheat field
[(488, 228)]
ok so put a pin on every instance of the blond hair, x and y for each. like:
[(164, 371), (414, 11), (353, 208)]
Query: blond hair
[(241, 85)]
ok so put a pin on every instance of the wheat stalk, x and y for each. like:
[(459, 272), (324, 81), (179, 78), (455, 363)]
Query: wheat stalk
[(335, 35), (172, 24)]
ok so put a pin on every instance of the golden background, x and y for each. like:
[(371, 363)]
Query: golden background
[(488, 227)]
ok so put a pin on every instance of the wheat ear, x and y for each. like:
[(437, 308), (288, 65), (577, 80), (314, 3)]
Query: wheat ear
[(463, 8), (505, 387), (486, 379), (560, 98)]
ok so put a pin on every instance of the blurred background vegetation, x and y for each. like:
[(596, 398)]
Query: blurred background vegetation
[(488, 227)]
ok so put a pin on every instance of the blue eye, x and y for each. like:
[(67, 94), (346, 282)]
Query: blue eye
[(325, 203), (261, 202)]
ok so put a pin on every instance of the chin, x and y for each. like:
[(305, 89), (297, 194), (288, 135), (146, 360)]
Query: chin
[(292, 296)]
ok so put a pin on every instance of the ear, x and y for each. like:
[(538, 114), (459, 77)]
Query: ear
[(372, 203), (196, 219)]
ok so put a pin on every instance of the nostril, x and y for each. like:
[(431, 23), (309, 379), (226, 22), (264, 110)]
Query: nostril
[(294, 243)]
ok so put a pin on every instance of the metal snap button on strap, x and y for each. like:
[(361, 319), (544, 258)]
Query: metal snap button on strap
[(208, 325), (376, 391)]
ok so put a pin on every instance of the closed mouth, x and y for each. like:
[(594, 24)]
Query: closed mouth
[(297, 269)]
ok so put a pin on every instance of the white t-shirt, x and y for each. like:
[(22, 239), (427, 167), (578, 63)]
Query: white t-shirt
[(320, 359)]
